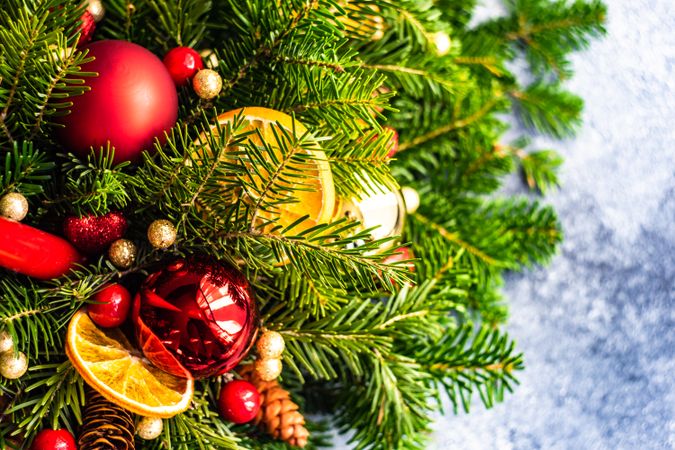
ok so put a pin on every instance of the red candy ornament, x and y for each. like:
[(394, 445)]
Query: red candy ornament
[(182, 63), (132, 101), (93, 235), (54, 440), (239, 401), (195, 318), (112, 306)]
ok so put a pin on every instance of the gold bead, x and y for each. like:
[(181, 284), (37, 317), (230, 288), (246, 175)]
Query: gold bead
[(122, 253), (207, 84), (411, 199), (149, 428), (268, 369), (270, 345), (161, 233), (13, 206), (13, 365), (6, 342), (96, 9)]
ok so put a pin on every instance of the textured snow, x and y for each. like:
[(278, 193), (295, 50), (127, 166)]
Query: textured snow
[(596, 326)]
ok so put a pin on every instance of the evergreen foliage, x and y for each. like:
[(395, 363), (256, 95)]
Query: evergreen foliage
[(381, 345)]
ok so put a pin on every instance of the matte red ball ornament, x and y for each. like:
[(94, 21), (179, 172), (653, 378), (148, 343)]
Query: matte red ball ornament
[(132, 101), (34, 252), (54, 440), (239, 401), (182, 63), (112, 306), (195, 318), (94, 234)]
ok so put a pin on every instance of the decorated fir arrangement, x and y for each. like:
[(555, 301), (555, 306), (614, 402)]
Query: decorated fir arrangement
[(235, 224)]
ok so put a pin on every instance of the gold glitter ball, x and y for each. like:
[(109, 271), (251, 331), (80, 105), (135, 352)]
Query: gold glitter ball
[(270, 345), (149, 428), (13, 365), (268, 369), (13, 206), (122, 253), (96, 9), (161, 233), (207, 84), (6, 342)]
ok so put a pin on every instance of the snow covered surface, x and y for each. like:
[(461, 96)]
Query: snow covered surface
[(597, 325)]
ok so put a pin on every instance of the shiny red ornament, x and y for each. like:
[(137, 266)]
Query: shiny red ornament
[(183, 63), (54, 440), (112, 306), (86, 28), (195, 318), (94, 234), (239, 401), (132, 101), (34, 252)]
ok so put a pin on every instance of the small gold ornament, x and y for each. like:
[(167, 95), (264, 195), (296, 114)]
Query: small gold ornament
[(13, 365), (96, 9), (411, 199), (149, 428), (270, 345), (268, 369), (13, 206), (161, 233), (207, 84), (122, 253), (6, 342), (442, 42)]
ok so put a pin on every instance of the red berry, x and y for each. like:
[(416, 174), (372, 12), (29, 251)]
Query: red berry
[(54, 440), (112, 307), (183, 63), (239, 401)]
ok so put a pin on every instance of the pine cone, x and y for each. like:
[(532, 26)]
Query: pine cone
[(278, 415), (105, 426)]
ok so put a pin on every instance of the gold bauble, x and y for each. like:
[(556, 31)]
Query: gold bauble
[(149, 428), (161, 233), (442, 42), (13, 365), (207, 83), (122, 253), (13, 206), (270, 345), (6, 342), (411, 199), (96, 9), (268, 369)]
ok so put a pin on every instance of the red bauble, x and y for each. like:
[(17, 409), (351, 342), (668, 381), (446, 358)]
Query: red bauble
[(86, 29), (239, 401), (132, 101), (195, 318), (35, 253), (183, 63), (112, 306), (393, 142), (54, 440), (93, 235)]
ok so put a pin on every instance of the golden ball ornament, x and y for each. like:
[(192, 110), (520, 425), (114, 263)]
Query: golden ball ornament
[(122, 253), (207, 84), (411, 199), (270, 345), (13, 365), (13, 206), (6, 342), (149, 428), (442, 42), (268, 369), (96, 9), (161, 233)]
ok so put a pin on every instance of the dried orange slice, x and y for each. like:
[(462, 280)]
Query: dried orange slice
[(120, 373), (316, 198)]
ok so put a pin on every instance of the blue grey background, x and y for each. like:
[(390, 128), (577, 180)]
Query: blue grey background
[(596, 326)]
